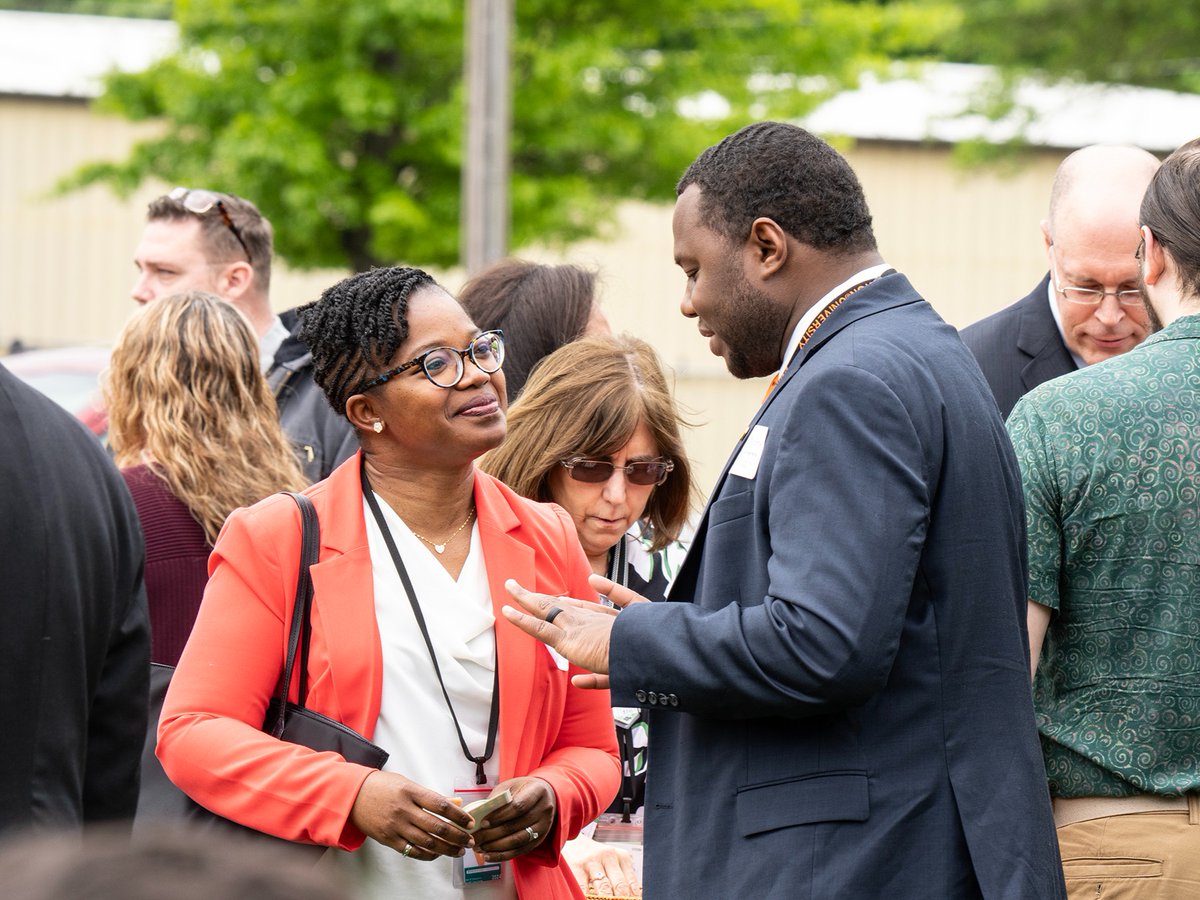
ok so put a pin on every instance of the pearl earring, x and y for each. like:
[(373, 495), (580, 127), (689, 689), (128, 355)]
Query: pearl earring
[(378, 426)]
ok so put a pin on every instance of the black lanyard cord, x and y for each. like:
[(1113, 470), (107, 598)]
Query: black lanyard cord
[(494, 716)]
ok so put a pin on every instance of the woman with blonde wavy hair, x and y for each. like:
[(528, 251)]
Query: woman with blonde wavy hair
[(194, 429)]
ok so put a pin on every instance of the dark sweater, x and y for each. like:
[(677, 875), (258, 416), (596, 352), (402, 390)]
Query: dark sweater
[(176, 562)]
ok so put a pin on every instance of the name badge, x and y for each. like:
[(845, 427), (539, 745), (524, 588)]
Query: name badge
[(472, 869), (748, 458)]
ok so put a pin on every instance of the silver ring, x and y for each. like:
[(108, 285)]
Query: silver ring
[(553, 614), (408, 848), (533, 835)]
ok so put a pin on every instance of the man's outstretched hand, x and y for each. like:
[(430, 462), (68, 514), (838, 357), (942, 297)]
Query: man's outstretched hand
[(580, 630)]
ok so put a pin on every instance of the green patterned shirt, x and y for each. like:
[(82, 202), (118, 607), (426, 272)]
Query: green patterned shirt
[(1110, 462)]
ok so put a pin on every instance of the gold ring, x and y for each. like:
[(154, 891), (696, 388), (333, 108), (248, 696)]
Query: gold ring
[(408, 848)]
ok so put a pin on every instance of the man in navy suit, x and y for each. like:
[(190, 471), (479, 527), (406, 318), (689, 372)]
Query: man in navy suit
[(1087, 308), (838, 685)]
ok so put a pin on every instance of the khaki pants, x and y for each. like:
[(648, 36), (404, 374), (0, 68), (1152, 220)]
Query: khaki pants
[(1139, 856)]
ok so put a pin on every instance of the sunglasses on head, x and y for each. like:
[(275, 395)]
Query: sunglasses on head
[(598, 471), (198, 202)]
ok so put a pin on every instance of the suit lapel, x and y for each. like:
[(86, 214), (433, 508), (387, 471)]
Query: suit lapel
[(1039, 339), (506, 557), (343, 614), (886, 293)]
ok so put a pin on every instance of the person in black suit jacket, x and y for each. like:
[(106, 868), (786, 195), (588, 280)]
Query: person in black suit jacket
[(1066, 322), (75, 646), (838, 685)]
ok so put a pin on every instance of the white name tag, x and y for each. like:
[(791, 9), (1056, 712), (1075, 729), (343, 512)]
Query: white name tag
[(746, 464)]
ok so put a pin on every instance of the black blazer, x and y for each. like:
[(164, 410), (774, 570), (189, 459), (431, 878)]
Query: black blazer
[(75, 646), (839, 681), (1019, 347)]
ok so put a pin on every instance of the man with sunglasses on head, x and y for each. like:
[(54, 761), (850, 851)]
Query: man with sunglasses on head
[(201, 240), (1087, 308)]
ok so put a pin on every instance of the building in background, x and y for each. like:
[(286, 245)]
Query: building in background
[(968, 236)]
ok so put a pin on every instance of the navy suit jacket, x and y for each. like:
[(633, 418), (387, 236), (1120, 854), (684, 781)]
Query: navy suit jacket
[(1019, 347), (840, 683)]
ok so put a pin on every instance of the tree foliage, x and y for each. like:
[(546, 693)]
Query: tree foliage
[(1154, 43), (344, 120), (145, 9)]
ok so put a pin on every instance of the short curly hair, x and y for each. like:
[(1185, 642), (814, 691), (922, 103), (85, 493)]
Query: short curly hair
[(784, 173), (357, 326)]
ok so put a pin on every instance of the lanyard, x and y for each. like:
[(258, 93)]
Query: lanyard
[(618, 565), (494, 715)]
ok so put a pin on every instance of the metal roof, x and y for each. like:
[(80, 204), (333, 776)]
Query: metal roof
[(50, 55), (928, 102), (55, 55)]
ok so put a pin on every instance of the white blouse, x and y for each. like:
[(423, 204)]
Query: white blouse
[(414, 725)]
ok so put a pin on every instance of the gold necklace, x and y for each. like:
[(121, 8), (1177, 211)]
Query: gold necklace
[(441, 548)]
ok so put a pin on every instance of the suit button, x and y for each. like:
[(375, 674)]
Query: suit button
[(662, 700), (652, 698), (640, 696), (674, 701)]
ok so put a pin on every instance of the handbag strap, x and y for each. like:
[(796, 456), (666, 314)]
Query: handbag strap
[(301, 630)]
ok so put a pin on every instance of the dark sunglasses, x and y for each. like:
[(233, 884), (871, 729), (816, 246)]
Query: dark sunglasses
[(199, 202), (598, 471)]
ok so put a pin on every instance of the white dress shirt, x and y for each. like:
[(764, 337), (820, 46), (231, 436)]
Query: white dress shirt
[(868, 274)]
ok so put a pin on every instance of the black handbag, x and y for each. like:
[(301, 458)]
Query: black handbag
[(287, 721)]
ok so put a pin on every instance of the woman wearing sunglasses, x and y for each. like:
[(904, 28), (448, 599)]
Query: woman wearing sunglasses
[(407, 647), (597, 431)]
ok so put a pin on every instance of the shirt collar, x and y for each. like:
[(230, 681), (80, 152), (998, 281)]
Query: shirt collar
[(1057, 313), (868, 274), (269, 344)]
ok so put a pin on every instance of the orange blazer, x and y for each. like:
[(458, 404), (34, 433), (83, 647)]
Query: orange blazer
[(209, 737)]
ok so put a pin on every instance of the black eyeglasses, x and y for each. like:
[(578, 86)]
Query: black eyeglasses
[(199, 202), (598, 471), (444, 366)]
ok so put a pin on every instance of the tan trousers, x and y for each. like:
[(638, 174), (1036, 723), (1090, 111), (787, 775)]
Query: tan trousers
[(1139, 856)]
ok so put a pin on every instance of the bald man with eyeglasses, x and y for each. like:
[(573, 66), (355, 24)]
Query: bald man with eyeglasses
[(202, 240), (1087, 307)]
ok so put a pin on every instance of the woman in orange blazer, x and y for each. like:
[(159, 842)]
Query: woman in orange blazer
[(386, 350)]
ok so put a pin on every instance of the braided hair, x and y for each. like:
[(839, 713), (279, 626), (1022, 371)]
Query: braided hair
[(356, 326)]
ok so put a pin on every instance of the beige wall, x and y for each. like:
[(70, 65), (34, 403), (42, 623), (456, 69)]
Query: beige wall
[(968, 239), (66, 263)]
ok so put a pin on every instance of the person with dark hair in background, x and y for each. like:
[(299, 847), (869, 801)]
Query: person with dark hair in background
[(1087, 308), (408, 648), (539, 308), (173, 862), (201, 240), (837, 688), (75, 646), (192, 425), (1109, 457)]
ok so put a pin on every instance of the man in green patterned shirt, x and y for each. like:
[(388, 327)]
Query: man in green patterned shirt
[(1110, 461)]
